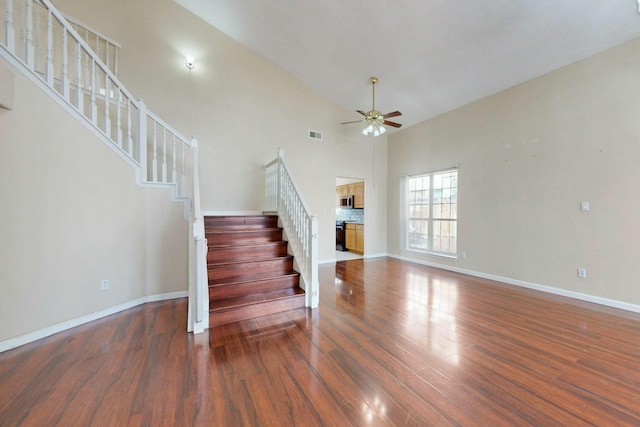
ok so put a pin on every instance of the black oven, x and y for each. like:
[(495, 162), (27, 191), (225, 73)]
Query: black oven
[(341, 244)]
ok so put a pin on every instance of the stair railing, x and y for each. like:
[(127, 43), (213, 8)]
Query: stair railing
[(48, 50), (72, 71), (282, 196)]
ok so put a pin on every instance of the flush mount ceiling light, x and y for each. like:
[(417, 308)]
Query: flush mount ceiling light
[(374, 120), (190, 62)]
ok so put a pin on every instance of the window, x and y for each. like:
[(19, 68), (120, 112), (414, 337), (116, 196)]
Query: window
[(432, 212)]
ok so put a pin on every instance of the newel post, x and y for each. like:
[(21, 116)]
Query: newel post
[(315, 284), (279, 192), (197, 212), (142, 138), (200, 241)]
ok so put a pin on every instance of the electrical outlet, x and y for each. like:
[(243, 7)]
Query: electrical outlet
[(463, 254), (104, 284), (582, 273)]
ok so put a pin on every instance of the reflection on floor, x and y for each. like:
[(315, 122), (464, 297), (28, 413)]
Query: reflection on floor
[(346, 256)]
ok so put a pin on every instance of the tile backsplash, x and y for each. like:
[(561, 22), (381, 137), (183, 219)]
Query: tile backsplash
[(350, 215)]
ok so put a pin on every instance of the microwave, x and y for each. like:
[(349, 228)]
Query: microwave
[(346, 202)]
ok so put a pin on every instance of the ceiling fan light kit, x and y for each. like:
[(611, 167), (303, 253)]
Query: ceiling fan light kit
[(374, 120)]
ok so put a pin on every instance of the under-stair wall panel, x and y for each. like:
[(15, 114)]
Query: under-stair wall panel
[(72, 217)]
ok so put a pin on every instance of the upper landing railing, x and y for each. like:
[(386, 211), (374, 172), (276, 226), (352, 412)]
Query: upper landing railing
[(104, 47)]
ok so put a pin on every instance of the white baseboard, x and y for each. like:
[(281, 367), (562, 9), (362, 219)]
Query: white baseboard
[(535, 286), (327, 261), (59, 327), (374, 256), (170, 295)]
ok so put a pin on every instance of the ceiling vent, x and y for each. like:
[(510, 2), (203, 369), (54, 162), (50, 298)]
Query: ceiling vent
[(315, 135)]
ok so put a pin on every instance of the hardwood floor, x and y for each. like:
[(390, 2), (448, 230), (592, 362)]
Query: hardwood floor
[(392, 343)]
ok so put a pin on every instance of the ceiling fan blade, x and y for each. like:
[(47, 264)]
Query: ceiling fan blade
[(355, 121), (395, 125), (394, 114), (362, 112)]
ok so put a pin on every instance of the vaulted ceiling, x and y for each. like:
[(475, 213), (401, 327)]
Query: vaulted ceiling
[(431, 56)]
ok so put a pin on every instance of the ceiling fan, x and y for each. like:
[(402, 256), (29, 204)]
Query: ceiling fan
[(374, 119)]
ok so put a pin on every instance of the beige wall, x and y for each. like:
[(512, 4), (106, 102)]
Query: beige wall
[(242, 108), (72, 215), (527, 157)]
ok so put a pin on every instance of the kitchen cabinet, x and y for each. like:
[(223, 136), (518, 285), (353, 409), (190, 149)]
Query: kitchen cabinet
[(350, 190), (359, 239), (342, 191), (358, 192), (354, 238)]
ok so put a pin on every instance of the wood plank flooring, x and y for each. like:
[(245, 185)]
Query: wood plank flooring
[(392, 344)]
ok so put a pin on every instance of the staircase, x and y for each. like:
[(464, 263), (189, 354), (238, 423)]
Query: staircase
[(77, 67), (249, 270)]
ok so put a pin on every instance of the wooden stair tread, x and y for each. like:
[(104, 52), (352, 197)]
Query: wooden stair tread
[(226, 230), (265, 259), (241, 232), (254, 277), (240, 217), (249, 270), (222, 246), (230, 303)]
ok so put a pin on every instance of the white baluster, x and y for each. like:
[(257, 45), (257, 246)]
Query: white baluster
[(154, 163), (38, 47), (29, 53), (107, 105), (94, 106), (183, 178), (49, 57), (115, 60), (86, 63), (107, 55), (65, 65), (164, 154), (79, 93), (174, 172), (23, 25), (119, 118), (9, 30), (142, 138), (97, 46), (129, 140)]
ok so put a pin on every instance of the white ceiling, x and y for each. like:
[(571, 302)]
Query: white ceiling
[(431, 56)]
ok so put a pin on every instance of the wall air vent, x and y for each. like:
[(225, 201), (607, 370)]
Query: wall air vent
[(315, 135)]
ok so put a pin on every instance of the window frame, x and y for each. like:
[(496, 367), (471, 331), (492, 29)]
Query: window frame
[(430, 220)]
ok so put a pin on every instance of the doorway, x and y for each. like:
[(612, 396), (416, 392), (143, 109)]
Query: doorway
[(350, 218)]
